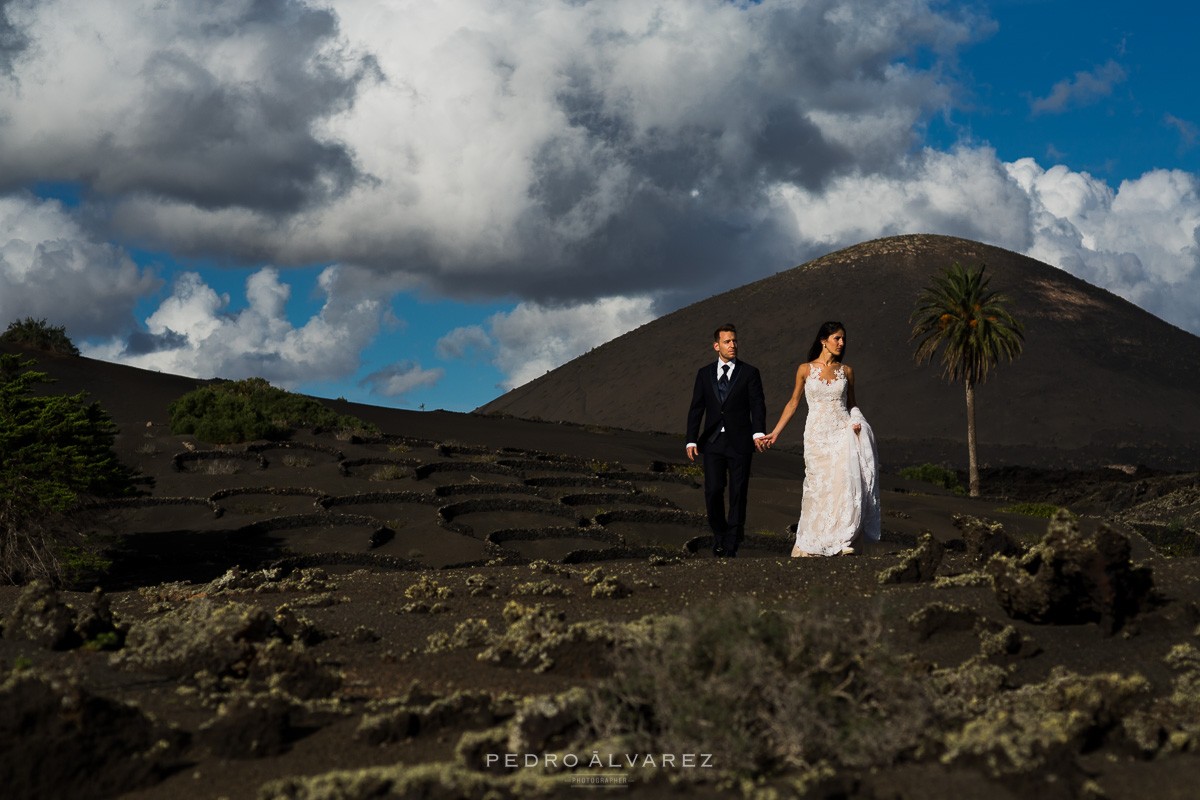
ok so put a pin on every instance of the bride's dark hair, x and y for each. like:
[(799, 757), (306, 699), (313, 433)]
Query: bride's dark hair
[(826, 330)]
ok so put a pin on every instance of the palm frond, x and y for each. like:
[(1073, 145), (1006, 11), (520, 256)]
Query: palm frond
[(969, 324)]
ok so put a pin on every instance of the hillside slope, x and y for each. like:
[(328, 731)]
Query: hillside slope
[(1100, 381)]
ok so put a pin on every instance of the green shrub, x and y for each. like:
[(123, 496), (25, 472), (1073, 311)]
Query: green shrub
[(768, 690), (79, 563), (1043, 510), (38, 333), (938, 476), (246, 410), (57, 450)]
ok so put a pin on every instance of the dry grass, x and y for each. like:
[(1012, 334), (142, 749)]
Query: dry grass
[(389, 473), (218, 466)]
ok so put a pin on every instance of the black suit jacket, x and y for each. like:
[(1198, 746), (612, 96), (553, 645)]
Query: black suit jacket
[(743, 414)]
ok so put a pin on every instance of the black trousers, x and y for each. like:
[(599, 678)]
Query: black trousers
[(724, 467)]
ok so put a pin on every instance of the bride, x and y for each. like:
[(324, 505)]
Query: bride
[(840, 509)]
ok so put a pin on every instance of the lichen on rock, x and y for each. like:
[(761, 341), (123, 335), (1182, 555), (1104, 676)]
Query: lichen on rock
[(984, 538), (917, 566), (1004, 642), (941, 617), (1023, 729), (544, 567), (963, 580), (544, 588), (611, 587), (263, 581), (1072, 578), (479, 584), (966, 690), (229, 641), (459, 710), (249, 726), (1171, 724), (421, 607), (428, 781), (42, 618), (428, 589), (470, 632), (541, 721), (538, 636)]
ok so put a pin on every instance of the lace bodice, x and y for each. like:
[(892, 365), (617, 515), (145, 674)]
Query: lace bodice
[(840, 509), (827, 412)]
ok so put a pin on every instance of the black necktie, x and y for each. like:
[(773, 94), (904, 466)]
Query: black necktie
[(723, 383)]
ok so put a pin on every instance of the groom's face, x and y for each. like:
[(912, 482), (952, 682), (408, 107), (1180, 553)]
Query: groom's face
[(726, 345)]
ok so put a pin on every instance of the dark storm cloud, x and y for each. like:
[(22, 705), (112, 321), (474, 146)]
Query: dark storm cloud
[(561, 152), (141, 343), (12, 41), (566, 155), (215, 105)]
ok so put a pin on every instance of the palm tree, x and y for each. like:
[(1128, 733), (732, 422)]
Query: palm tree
[(977, 330)]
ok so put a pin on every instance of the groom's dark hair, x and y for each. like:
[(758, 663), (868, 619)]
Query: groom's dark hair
[(728, 326)]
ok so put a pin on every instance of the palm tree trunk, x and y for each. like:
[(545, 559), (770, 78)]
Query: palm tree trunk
[(972, 452)]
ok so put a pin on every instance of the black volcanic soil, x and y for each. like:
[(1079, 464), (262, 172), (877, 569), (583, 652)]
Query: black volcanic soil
[(361, 650), (1093, 363)]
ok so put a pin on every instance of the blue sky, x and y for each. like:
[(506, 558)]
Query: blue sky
[(422, 205)]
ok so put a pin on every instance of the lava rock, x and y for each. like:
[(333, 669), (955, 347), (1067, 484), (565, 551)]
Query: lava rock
[(1072, 578), (96, 621), (227, 640), (942, 618), (984, 538), (40, 617), (249, 727), (59, 740), (918, 566)]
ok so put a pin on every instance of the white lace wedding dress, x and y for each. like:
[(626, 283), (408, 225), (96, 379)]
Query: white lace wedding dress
[(840, 508)]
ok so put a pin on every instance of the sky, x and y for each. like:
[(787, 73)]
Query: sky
[(423, 205)]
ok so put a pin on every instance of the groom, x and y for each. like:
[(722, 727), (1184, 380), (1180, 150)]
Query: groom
[(729, 397)]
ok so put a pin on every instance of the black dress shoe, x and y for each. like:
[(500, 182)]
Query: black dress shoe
[(718, 552)]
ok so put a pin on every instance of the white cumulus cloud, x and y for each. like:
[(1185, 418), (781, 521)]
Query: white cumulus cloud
[(52, 268), (1084, 88), (193, 333), (532, 339), (1141, 240), (401, 378)]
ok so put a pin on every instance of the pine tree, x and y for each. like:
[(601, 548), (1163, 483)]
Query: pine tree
[(55, 450)]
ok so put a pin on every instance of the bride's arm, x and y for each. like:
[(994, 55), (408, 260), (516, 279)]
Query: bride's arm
[(851, 404), (790, 409)]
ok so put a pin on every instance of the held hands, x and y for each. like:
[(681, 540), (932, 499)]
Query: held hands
[(765, 442)]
